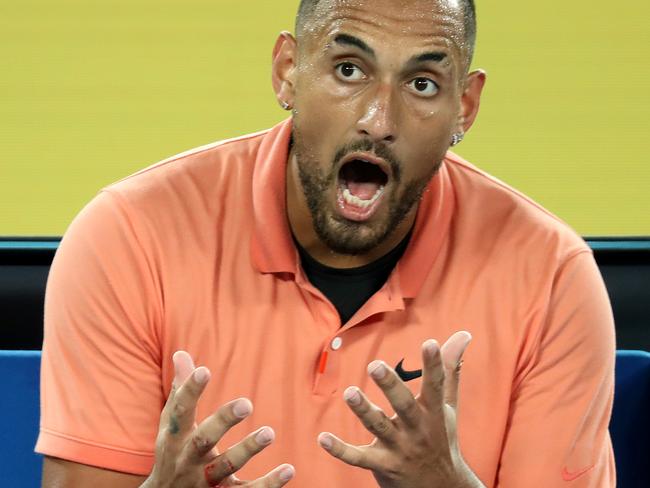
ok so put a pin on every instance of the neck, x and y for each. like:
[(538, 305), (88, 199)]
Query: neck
[(303, 230)]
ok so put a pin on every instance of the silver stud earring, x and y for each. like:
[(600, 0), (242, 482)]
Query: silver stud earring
[(285, 105), (457, 138)]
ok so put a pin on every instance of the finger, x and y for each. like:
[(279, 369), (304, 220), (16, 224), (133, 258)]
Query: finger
[(280, 476), (372, 417), (433, 376), (359, 456), (212, 429), (397, 393), (183, 367), (452, 358), (181, 408), (235, 457)]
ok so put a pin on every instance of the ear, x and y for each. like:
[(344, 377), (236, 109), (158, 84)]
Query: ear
[(285, 55), (471, 99)]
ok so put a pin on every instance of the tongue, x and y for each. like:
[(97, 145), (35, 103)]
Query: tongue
[(364, 191)]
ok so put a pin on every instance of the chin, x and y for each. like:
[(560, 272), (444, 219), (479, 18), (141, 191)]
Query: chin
[(348, 237)]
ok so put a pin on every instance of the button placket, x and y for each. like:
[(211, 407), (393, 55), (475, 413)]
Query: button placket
[(328, 368)]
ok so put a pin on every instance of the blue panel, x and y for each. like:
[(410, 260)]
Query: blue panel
[(596, 243), (630, 424), (19, 404), (619, 245), (40, 245)]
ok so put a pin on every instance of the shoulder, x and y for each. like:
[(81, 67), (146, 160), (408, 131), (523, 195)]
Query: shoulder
[(177, 203), (495, 213), (189, 191)]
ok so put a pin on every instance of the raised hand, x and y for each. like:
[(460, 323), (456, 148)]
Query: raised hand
[(418, 446), (186, 456)]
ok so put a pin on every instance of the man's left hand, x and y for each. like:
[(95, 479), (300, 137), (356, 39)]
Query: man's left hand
[(418, 446)]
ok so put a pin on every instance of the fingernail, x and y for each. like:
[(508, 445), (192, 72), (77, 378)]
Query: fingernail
[(201, 375), (242, 408), (430, 348), (469, 339), (265, 436), (352, 396), (286, 473), (377, 370), (325, 441)]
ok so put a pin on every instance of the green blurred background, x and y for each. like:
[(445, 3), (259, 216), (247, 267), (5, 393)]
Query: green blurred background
[(93, 90)]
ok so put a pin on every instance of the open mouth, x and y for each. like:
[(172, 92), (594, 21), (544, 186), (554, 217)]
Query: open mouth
[(362, 182)]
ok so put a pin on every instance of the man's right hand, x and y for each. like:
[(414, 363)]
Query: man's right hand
[(186, 456)]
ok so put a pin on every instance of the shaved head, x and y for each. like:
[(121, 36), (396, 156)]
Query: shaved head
[(467, 7)]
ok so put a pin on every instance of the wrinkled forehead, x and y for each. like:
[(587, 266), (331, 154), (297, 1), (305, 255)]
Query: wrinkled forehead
[(400, 23)]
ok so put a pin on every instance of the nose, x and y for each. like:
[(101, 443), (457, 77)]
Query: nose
[(377, 121)]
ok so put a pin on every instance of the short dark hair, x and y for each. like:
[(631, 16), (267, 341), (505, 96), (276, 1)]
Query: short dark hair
[(307, 8)]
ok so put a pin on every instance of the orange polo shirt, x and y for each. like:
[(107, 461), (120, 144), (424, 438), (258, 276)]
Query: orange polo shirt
[(195, 253)]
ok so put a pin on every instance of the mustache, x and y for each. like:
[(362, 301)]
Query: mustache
[(377, 148)]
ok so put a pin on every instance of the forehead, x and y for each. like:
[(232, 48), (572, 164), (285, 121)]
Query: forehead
[(401, 24)]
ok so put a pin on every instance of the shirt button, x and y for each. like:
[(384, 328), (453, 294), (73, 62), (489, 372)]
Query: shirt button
[(337, 342)]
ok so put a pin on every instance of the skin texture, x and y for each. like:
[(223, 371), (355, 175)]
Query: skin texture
[(418, 446), (186, 454), (378, 106), (381, 110)]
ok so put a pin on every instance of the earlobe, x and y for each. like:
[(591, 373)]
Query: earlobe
[(284, 63)]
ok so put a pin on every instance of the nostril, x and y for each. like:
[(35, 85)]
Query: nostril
[(377, 134)]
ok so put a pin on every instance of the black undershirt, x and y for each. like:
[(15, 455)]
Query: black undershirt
[(348, 289)]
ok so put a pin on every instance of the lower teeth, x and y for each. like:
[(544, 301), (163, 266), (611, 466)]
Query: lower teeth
[(358, 202)]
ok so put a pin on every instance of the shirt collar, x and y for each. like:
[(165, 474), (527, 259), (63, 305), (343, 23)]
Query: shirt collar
[(429, 232), (272, 247)]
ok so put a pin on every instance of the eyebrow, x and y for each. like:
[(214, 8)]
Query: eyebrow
[(436, 57), (350, 40)]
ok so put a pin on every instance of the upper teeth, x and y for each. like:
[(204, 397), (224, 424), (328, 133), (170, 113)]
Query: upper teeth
[(358, 202)]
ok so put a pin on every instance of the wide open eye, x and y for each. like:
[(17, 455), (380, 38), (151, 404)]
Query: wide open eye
[(349, 72), (423, 87)]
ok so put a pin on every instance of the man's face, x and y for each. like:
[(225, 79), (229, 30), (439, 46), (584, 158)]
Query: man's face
[(377, 99)]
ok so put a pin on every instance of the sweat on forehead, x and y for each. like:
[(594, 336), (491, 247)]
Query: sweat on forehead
[(309, 8)]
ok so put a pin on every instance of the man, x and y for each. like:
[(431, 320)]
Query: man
[(286, 262)]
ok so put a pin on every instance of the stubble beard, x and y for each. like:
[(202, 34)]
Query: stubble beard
[(339, 234)]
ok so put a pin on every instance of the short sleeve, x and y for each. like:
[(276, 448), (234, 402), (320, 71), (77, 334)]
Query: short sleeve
[(557, 434), (101, 392)]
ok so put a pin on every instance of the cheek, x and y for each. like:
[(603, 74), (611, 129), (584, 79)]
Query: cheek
[(438, 113), (321, 122), (324, 96), (428, 137), (421, 162), (312, 140), (422, 110)]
